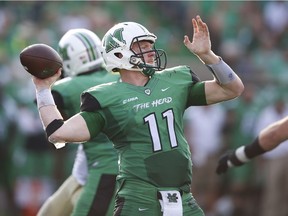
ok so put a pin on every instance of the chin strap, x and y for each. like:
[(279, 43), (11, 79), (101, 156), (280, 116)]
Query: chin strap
[(148, 71)]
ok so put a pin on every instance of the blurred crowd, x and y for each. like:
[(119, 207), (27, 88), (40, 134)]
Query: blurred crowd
[(250, 35)]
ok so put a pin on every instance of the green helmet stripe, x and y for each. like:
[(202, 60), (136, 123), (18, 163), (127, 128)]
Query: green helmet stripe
[(89, 44)]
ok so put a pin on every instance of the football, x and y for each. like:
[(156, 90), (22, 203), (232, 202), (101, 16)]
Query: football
[(40, 60)]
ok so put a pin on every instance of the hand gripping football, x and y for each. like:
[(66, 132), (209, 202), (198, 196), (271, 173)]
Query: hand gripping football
[(40, 60)]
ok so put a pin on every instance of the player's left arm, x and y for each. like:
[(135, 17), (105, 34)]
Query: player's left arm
[(216, 92), (226, 85)]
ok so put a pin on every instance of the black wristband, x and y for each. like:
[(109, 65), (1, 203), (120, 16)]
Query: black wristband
[(53, 126), (254, 149), (234, 160)]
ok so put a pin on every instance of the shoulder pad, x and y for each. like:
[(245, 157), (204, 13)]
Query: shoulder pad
[(89, 103), (183, 71)]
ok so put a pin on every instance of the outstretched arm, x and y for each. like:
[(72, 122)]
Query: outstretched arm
[(274, 134), (226, 85), (268, 139)]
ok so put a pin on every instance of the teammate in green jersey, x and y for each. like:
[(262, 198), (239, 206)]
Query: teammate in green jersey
[(142, 114), (90, 188)]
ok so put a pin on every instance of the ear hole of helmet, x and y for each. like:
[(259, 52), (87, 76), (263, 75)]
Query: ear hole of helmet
[(119, 55)]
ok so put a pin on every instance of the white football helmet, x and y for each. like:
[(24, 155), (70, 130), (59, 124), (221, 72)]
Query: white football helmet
[(117, 52), (80, 50)]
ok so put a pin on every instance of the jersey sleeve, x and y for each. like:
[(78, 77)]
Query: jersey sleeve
[(89, 111), (185, 76), (93, 103), (89, 102), (197, 95), (95, 122)]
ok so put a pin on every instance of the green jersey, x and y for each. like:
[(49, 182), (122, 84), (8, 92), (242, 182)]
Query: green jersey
[(145, 123), (67, 92)]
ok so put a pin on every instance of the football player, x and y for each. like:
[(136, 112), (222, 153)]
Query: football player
[(142, 114), (90, 188)]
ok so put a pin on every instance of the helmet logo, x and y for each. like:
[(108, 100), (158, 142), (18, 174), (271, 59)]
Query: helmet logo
[(63, 51), (111, 43)]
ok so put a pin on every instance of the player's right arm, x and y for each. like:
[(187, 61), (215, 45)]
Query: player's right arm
[(73, 130), (59, 131), (268, 139)]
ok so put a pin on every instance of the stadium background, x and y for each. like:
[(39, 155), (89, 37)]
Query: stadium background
[(250, 35)]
